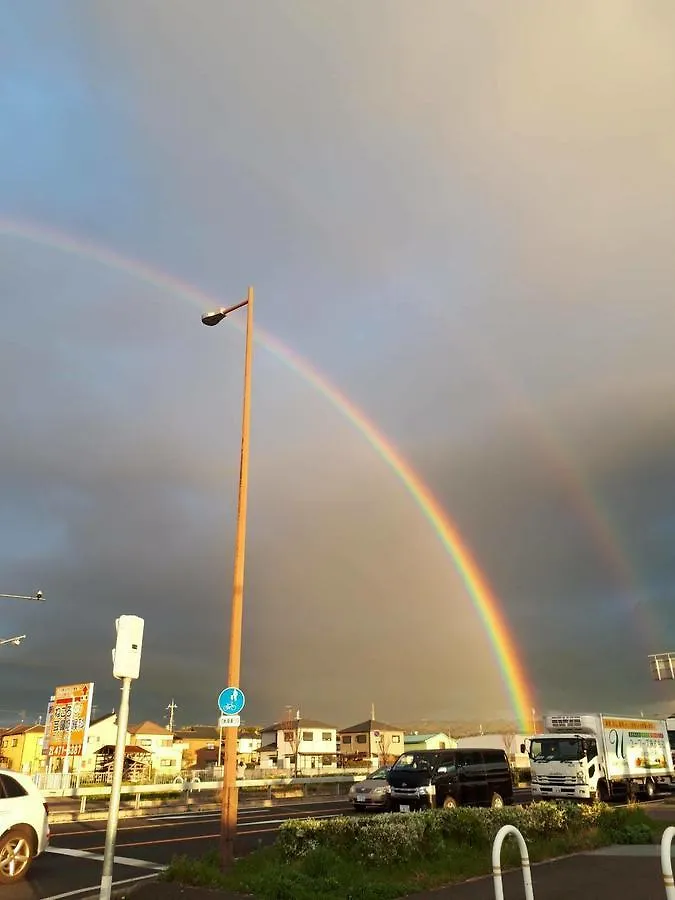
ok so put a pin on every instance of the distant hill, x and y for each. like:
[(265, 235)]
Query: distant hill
[(459, 728)]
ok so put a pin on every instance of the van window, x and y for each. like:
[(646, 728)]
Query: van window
[(470, 758), (416, 761), (494, 756)]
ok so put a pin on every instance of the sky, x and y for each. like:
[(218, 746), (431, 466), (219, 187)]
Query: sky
[(460, 213)]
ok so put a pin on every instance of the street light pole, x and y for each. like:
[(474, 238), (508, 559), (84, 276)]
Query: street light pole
[(229, 806)]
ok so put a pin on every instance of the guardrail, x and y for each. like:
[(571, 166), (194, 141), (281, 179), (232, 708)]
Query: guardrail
[(265, 789)]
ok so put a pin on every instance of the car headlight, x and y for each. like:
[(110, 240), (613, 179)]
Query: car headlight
[(427, 790), (378, 791), (352, 790), (580, 777)]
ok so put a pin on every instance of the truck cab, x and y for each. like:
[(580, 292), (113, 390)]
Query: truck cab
[(564, 765)]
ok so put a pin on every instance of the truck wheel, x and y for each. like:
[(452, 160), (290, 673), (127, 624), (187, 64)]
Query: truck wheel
[(650, 789), (449, 803), (602, 795), (497, 801)]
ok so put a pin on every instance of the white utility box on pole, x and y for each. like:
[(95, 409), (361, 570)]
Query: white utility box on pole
[(127, 666)]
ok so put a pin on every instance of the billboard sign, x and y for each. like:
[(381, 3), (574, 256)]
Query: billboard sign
[(662, 666), (48, 726), (66, 734)]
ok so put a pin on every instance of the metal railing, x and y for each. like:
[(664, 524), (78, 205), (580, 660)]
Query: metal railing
[(504, 832), (667, 863)]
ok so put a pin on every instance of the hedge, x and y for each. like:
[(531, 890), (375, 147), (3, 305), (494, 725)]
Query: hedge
[(398, 837)]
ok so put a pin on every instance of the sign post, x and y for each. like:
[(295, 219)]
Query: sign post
[(126, 666)]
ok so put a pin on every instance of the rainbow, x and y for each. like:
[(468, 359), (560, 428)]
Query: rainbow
[(482, 596)]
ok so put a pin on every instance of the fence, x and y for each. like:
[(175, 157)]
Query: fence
[(59, 781)]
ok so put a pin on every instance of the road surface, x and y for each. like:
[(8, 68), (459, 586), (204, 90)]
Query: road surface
[(72, 866)]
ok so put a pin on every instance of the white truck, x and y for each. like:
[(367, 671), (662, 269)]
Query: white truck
[(595, 756)]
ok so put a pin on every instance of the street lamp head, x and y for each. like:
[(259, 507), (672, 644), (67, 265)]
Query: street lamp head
[(213, 318), (39, 595)]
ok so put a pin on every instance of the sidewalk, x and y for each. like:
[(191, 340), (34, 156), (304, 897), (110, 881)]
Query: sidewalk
[(622, 873)]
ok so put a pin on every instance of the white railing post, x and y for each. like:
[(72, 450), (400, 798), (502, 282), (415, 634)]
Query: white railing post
[(667, 863), (503, 832)]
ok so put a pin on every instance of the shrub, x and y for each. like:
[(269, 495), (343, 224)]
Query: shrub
[(399, 837)]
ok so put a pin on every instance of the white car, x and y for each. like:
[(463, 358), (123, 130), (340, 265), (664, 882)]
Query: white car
[(24, 825)]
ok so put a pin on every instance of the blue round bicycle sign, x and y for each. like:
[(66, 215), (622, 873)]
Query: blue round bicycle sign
[(231, 701)]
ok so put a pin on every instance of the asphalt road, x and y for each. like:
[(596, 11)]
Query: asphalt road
[(72, 865), (71, 868)]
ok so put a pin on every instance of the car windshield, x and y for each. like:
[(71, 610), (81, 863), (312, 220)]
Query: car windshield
[(556, 749), (379, 773), (415, 761)]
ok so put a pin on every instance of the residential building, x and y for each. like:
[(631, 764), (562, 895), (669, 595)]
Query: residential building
[(433, 741), (102, 732), (248, 746), (21, 748), (200, 743), (299, 744), (166, 752), (374, 742)]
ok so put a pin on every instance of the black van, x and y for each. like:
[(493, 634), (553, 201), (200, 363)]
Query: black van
[(421, 779)]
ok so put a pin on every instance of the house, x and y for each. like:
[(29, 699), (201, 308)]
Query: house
[(102, 732), (248, 746), (200, 744), (299, 744), (21, 748), (434, 741), (166, 753), (375, 742)]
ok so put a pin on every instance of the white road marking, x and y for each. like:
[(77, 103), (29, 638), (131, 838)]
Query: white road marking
[(271, 821), (93, 891), (119, 860)]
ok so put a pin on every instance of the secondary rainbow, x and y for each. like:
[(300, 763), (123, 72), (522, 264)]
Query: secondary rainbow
[(482, 596)]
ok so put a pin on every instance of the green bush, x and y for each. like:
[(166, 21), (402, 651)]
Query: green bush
[(398, 837)]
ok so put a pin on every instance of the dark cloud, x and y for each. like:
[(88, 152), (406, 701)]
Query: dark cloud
[(462, 215)]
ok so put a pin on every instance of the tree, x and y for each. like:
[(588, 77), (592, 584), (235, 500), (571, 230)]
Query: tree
[(291, 726), (383, 746), (508, 738)]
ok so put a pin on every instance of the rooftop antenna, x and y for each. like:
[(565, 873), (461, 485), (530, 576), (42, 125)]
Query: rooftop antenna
[(172, 709), (372, 712)]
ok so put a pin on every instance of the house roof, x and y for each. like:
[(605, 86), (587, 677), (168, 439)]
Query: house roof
[(369, 725), (22, 728), (420, 738), (147, 727), (268, 748), (249, 733), (197, 732), (110, 715), (132, 749), (301, 723)]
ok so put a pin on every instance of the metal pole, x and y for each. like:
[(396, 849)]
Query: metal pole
[(220, 745), (228, 812), (114, 808)]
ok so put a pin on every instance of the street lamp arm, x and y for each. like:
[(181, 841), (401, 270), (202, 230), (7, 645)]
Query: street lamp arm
[(13, 640), (213, 318), (38, 595)]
